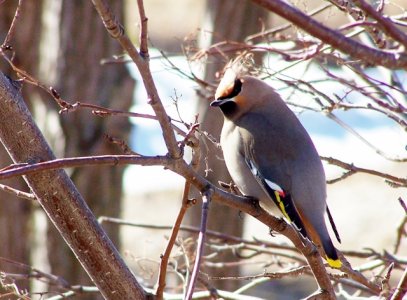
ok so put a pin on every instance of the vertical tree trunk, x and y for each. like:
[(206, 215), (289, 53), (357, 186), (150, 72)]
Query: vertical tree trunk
[(81, 77), (15, 213), (230, 21)]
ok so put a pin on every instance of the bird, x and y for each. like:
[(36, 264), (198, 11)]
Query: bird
[(271, 157)]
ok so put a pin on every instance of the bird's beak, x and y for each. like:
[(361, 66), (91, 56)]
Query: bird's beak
[(219, 102)]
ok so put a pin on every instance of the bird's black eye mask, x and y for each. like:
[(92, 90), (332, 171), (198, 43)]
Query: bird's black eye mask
[(237, 87)]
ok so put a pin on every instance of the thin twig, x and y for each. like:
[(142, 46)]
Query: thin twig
[(273, 31), (11, 30), (30, 79), (394, 108), (36, 273), (213, 234), (143, 30), (330, 36), (206, 199), (171, 241), (110, 160), (291, 272), (116, 31), (401, 229), (18, 193), (186, 203), (207, 294), (384, 22), (401, 289), (348, 128), (104, 111), (353, 168)]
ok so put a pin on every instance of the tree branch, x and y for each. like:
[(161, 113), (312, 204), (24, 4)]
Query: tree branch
[(59, 198), (401, 288), (206, 199), (116, 31), (143, 30), (246, 205), (171, 241), (334, 38), (17, 193), (185, 170), (383, 22), (108, 160), (12, 27), (354, 169)]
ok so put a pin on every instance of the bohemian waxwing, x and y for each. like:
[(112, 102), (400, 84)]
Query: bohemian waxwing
[(271, 157)]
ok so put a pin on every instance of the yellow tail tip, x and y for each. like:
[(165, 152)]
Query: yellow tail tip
[(334, 263)]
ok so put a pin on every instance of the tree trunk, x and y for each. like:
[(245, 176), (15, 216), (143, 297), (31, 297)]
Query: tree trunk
[(229, 21), (15, 213), (81, 77)]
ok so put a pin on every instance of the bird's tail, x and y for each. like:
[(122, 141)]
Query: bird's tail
[(331, 254), (329, 249), (331, 220)]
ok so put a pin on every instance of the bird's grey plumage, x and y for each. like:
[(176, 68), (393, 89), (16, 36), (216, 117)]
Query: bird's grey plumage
[(265, 145)]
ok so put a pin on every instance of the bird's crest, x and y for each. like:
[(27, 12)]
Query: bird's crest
[(235, 69)]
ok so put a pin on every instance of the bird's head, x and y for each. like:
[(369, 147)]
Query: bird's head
[(238, 93)]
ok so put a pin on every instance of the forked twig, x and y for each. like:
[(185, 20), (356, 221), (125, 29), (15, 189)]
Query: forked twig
[(116, 31)]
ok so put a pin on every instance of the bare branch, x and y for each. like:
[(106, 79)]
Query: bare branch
[(291, 272), (385, 23), (143, 30), (334, 38), (401, 289), (354, 169), (64, 205), (110, 160), (116, 31), (401, 229), (171, 241), (12, 27), (103, 112), (274, 31), (348, 128), (213, 234), (17, 193), (243, 204), (206, 199)]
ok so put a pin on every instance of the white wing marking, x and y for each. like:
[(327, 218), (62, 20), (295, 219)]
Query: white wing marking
[(274, 186)]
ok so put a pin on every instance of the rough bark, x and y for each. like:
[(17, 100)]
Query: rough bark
[(61, 200)]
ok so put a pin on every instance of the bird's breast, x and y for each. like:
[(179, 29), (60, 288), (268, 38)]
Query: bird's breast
[(231, 143)]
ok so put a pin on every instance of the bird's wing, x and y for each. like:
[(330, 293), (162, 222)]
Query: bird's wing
[(280, 197), (269, 158)]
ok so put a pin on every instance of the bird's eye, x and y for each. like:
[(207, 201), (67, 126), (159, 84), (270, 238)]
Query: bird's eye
[(233, 91)]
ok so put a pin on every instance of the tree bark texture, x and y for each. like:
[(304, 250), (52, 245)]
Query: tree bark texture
[(61, 200)]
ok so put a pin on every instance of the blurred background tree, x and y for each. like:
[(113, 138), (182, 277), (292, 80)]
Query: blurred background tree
[(66, 46), (67, 43), (17, 238)]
